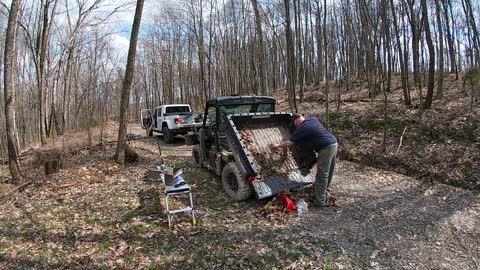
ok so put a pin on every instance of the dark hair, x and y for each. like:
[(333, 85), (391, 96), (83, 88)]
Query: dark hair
[(295, 116)]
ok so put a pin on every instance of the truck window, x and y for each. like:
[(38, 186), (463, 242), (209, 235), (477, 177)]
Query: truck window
[(177, 109), (212, 114), (244, 108)]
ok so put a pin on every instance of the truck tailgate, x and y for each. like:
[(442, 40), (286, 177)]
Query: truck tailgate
[(275, 171)]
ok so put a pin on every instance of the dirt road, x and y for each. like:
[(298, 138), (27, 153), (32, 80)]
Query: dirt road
[(396, 222)]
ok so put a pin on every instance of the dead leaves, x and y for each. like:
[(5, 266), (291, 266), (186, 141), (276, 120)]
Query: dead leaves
[(274, 211), (92, 214)]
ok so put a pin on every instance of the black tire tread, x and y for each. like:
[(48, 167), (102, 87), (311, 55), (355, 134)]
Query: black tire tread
[(198, 162), (167, 135), (244, 190)]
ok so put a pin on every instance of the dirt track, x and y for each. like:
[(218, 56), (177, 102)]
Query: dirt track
[(394, 221)]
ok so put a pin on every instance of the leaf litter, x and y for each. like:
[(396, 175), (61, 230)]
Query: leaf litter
[(94, 213)]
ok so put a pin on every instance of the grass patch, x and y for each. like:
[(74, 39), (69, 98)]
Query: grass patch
[(329, 266), (271, 260), (323, 244), (267, 237), (139, 229), (3, 246), (469, 133), (102, 248), (149, 245), (256, 261), (27, 226), (302, 250), (362, 262)]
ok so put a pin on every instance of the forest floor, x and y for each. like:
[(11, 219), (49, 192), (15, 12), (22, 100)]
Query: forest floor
[(95, 214)]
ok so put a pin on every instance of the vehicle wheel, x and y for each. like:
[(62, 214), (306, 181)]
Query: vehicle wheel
[(196, 156), (149, 131), (167, 135), (234, 184)]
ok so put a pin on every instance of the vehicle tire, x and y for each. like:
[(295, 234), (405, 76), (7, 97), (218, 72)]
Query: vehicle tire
[(197, 160), (234, 184), (168, 136)]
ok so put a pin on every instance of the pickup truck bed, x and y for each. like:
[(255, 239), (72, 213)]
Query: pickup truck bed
[(251, 136)]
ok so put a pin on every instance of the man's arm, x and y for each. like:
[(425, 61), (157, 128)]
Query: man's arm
[(284, 144)]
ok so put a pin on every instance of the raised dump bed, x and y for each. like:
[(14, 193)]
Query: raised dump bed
[(251, 135)]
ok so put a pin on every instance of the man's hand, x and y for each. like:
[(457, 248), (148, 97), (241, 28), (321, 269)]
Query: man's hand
[(282, 145)]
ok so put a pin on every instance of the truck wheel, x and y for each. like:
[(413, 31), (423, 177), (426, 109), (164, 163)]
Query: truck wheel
[(234, 184), (167, 135), (196, 156)]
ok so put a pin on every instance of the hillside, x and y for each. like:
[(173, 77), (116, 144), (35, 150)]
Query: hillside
[(441, 144)]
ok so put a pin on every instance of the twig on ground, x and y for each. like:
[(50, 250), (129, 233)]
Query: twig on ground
[(401, 140), (7, 194)]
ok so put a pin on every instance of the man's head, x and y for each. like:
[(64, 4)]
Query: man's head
[(297, 119)]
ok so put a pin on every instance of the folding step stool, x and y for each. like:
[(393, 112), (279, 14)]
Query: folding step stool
[(173, 191)]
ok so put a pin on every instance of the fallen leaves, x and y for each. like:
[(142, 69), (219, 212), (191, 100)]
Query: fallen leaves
[(96, 214)]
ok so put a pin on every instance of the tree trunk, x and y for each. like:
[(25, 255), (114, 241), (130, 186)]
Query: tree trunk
[(415, 47), (127, 84), (403, 67), (320, 68), (440, 51), (327, 70), (431, 62), (300, 60), (450, 43), (43, 40), (260, 50), (10, 58), (291, 74)]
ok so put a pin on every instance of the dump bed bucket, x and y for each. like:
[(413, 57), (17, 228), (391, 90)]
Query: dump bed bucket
[(250, 137)]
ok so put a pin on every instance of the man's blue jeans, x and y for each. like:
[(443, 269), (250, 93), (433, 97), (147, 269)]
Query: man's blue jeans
[(325, 168)]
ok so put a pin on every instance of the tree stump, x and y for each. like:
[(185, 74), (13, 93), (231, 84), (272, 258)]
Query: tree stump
[(130, 155), (51, 166), (51, 160)]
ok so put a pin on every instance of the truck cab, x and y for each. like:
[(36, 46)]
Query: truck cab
[(169, 120)]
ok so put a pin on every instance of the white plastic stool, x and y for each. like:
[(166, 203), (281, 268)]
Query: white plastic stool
[(173, 191)]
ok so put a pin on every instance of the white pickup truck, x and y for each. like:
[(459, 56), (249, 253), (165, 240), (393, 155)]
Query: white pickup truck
[(169, 120)]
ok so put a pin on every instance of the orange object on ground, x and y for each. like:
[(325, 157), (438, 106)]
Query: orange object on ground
[(288, 204)]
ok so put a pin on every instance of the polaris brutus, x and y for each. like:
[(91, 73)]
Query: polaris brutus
[(235, 143)]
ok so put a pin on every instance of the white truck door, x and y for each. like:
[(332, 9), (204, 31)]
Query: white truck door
[(145, 118)]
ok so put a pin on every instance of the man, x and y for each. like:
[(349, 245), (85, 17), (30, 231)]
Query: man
[(311, 131)]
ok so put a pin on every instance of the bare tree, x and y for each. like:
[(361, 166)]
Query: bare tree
[(10, 58), (440, 50), (401, 58), (260, 49), (41, 50), (291, 73), (127, 84), (431, 52), (416, 30)]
